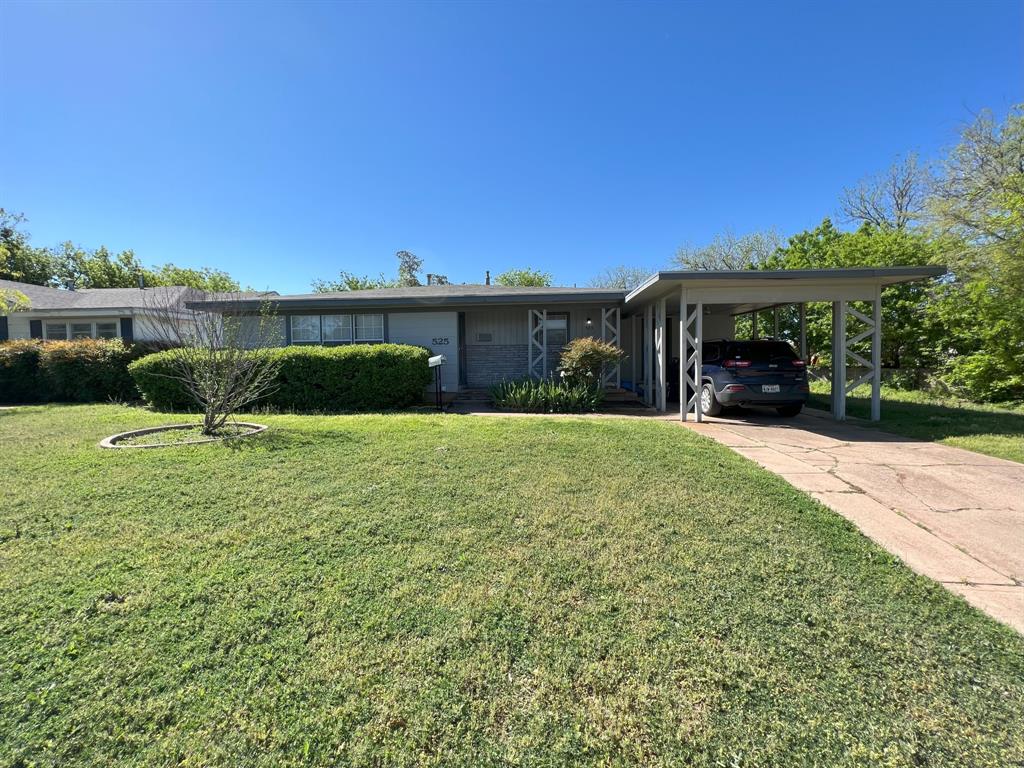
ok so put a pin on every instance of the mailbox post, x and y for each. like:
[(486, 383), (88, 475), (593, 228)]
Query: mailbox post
[(436, 362)]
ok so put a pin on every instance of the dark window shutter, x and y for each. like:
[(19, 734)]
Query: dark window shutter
[(127, 331), (4, 333), (35, 329)]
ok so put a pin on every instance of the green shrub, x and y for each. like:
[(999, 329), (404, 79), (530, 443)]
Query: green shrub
[(547, 396), (152, 378), (20, 379), (358, 377), (88, 370), (984, 377), (80, 371), (587, 359)]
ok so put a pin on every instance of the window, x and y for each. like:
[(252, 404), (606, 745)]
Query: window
[(369, 327), (81, 330), (57, 331), (305, 329), (558, 329), (104, 329), (337, 328)]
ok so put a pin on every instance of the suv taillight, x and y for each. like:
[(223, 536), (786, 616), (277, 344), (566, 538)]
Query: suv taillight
[(736, 363), (799, 363)]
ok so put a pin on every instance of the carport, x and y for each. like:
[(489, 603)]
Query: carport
[(704, 305)]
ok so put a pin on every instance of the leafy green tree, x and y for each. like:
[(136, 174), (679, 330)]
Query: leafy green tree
[(909, 335), (524, 278), (13, 301), (203, 279), (409, 267), (624, 277), (19, 260), (978, 208), (347, 281), (81, 268)]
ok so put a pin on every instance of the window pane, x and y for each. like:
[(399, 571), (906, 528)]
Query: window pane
[(305, 328), (370, 327), (106, 330), (558, 329), (337, 327), (56, 331), (81, 330)]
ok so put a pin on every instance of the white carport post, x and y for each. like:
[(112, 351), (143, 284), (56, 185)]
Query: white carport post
[(803, 332), (775, 320), (839, 360), (683, 375), (610, 333), (689, 386), (876, 358), (634, 350), (648, 355), (537, 325), (659, 363)]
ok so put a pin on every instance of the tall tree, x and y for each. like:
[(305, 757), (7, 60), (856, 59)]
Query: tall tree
[(729, 251), (19, 260), (894, 199), (977, 205), (525, 277), (909, 336), (624, 277), (203, 279), (347, 281), (409, 267), (81, 268)]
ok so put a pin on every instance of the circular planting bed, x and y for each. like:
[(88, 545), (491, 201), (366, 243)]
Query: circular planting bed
[(179, 434)]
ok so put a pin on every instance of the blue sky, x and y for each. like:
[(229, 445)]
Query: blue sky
[(288, 142)]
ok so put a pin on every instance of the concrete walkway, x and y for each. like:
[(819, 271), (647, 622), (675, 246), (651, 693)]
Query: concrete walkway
[(950, 514)]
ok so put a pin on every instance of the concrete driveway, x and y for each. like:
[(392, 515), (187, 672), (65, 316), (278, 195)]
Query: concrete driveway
[(950, 514)]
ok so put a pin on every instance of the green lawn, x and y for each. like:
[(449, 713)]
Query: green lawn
[(987, 429), (446, 590)]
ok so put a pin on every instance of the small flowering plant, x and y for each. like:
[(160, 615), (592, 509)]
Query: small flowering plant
[(585, 360)]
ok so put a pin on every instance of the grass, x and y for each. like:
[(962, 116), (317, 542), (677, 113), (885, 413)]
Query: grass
[(184, 435), (465, 591), (989, 429)]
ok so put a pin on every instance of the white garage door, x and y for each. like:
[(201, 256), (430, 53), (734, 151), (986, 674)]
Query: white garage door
[(437, 331)]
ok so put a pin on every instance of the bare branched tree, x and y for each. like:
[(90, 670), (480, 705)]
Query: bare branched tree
[(979, 191), (731, 251), (894, 199), (221, 358)]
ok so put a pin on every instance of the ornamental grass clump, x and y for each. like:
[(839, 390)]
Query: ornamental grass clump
[(547, 396)]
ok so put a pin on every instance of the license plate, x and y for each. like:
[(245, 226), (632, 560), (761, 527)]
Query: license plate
[(770, 389)]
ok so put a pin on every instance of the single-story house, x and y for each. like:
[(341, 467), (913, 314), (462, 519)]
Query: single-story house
[(129, 314), (492, 332), (88, 313)]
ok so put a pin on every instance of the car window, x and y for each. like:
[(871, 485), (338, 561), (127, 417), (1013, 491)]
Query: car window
[(712, 352), (760, 351)]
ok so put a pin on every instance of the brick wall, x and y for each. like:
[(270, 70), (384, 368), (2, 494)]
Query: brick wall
[(487, 364)]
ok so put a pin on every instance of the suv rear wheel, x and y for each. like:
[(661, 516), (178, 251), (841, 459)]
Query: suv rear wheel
[(708, 402), (790, 410)]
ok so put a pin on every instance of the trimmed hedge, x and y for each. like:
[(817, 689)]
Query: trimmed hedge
[(358, 377), (82, 371)]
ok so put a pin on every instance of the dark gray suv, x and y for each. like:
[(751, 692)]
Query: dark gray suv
[(753, 373)]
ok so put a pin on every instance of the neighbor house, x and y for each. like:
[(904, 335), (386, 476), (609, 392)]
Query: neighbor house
[(129, 314), (492, 332)]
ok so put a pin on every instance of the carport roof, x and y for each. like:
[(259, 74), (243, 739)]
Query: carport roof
[(661, 284)]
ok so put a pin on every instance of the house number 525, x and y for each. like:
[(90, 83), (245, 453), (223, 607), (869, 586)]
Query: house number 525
[(439, 341)]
